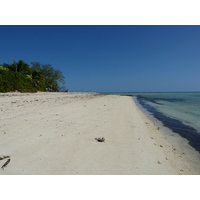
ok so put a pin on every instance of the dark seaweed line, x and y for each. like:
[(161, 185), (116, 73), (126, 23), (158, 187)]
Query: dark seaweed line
[(176, 126)]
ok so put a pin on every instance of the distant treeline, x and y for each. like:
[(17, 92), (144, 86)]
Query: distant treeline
[(19, 76)]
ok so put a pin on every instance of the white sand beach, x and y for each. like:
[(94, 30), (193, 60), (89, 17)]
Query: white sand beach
[(54, 134)]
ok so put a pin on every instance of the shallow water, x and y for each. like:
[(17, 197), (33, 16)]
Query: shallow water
[(178, 111)]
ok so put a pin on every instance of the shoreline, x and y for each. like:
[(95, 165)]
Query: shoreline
[(54, 133), (175, 125), (175, 139)]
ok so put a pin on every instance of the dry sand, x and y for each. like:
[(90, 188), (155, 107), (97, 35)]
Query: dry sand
[(54, 133)]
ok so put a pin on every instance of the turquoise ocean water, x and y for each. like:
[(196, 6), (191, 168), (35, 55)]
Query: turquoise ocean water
[(178, 111)]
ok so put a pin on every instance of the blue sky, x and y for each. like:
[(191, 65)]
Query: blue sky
[(111, 58)]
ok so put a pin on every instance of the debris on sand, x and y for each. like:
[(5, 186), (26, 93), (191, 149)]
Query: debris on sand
[(4, 157), (6, 163), (100, 139)]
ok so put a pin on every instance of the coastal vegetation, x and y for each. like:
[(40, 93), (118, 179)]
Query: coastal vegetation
[(19, 76)]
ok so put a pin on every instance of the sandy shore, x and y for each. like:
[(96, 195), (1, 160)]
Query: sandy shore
[(54, 133)]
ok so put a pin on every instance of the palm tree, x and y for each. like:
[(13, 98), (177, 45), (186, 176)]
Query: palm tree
[(20, 66), (38, 80)]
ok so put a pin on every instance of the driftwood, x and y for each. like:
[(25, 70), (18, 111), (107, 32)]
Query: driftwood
[(4, 157), (6, 163)]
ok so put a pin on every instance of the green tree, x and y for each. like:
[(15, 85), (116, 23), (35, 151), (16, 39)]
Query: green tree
[(6, 80), (24, 78), (38, 80), (53, 78), (19, 75), (19, 66)]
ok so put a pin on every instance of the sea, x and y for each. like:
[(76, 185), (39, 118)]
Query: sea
[(179, 111)]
